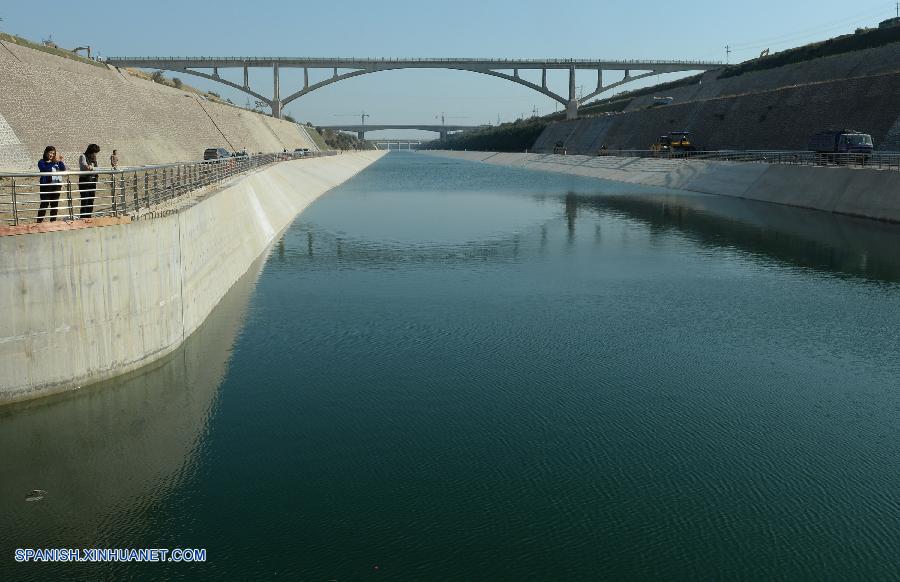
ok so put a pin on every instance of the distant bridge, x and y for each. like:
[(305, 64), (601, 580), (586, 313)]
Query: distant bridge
[(399, 143), (346, 68), (443, 130)]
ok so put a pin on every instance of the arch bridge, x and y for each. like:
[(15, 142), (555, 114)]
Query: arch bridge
[(346, 68), (361, 130)]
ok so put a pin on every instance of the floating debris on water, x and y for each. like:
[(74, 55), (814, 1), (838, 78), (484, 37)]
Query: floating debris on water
[(35, 495)]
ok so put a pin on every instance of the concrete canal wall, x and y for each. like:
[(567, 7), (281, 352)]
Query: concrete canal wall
[(82, 305), (50, 100), (862, 192)]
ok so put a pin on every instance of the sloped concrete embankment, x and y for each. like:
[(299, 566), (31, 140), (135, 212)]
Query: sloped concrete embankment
[(49, 100), (767, 118), (79, 306), (862, 192)]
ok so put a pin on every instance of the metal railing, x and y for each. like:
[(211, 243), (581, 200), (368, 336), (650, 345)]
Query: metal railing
[(126, 192), (880, 160)]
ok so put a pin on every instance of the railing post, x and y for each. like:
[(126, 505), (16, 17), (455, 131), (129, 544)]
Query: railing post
[(123, 192), (69, 197), (12, 188), (137, 204), (112, 190)]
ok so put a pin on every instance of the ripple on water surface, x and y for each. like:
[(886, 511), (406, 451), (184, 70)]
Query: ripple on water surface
[(456, 371)]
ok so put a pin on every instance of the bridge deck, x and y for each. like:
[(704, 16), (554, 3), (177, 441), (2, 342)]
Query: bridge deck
[(437, 128), (439, 63)]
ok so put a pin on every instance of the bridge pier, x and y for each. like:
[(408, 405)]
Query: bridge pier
[(276, 94), (361, 135), (443, 133), (572, 105)]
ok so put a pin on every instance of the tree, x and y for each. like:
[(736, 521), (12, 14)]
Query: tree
[(177, 82), (158, 77)]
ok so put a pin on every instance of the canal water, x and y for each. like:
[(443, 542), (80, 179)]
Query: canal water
[(452, 371)]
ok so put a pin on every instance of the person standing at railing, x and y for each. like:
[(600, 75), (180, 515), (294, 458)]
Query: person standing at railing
[(51, 163), (114, 160), (87, 183)]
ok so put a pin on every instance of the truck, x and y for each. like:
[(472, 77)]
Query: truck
[(836, 145)]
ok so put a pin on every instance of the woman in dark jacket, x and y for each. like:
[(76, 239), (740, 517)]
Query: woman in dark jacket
[(87, 183), (50, 185)]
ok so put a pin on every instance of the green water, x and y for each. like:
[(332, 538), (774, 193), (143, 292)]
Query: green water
[(452, 371)]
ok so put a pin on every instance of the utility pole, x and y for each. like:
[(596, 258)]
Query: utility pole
[(727, 53)]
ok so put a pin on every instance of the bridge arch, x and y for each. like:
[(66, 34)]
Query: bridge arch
[(357, 67)]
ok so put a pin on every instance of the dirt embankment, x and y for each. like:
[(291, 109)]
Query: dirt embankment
[(49, 100)]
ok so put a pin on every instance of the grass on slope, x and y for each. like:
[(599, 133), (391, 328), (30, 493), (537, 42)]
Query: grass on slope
[(863, 39), (316, 137)]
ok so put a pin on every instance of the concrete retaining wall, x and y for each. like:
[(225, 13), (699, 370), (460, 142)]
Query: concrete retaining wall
[(863, 192), (78, 306), (49, 100)]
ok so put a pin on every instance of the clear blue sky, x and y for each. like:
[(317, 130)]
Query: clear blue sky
[(648, 29)]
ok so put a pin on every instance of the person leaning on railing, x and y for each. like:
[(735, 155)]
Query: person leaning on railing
[(51, 162), (87, 183)]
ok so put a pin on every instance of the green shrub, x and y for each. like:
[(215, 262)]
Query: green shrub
[(507, 137)]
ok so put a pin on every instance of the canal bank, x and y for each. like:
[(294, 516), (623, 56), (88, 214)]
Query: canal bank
[(83, 305), (861, 192)]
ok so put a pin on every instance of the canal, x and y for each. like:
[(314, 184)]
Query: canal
[(451, 371)]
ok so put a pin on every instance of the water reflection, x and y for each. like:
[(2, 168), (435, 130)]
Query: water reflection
[(824, 242), (801, 238), (110, 454)]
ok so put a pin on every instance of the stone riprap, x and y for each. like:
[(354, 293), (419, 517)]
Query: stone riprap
[(82, 305), (49, 100), (861, 192)]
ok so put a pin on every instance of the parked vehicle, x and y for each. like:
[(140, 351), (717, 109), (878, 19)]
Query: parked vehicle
[(674, 142), (559, 148), (299, 152), (829, 145), (661, 101), (216, 154)]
